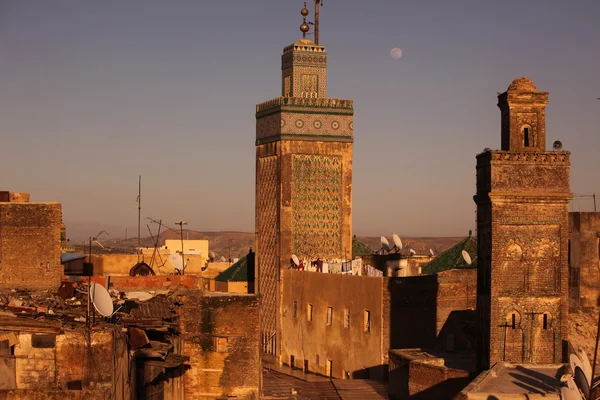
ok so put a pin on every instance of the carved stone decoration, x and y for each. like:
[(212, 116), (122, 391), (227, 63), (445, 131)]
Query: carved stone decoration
[(316, 205), (310, 85), (267, 242)]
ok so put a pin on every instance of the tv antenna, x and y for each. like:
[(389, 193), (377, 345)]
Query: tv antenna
[(139, 201), (318, 3)]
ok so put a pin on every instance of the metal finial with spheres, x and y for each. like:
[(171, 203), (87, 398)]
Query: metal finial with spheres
[(304, 27)]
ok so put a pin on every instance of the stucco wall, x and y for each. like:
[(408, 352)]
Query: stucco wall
[(120, 264), (350, 350)]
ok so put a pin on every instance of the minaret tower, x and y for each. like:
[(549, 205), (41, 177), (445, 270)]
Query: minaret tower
[(303, 175), (523, 193)]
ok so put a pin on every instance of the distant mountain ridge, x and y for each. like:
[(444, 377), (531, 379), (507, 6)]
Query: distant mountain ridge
[(237, 244)]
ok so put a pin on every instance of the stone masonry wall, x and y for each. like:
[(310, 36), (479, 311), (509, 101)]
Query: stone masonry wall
[(584, 258), (30, 246), (221, 337)]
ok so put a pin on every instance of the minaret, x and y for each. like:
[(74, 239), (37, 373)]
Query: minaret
[(523, 193), (303, 175)]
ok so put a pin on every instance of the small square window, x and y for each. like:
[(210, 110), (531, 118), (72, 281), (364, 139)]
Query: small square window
[(309, 312), (43, 341), (221, 344), (367, 321)]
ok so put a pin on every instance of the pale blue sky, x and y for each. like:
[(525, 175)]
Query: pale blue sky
[(94, 93)]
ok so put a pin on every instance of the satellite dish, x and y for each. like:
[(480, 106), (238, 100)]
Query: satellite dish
[(576, 363), (101, 299), (223, 259), (570, 392), (585, 361), (431, 252), (212, 254), (139, 296), (582, 383), (412, 252), (557, 145), (466, 257), (177, 262), (384, 242), (397, 241), (295, 260)]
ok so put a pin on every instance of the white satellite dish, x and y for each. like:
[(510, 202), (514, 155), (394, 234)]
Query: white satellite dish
[(412, 252), (466, 257), (295, 260), (397, 241), (585, 361), (570, 391), (177, 262), (431, 252), (212, 254), (384, 242), (576, 362), (101, 299), (140, 296)]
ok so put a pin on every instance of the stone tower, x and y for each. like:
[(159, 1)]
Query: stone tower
[(303, 176), (523, 193)]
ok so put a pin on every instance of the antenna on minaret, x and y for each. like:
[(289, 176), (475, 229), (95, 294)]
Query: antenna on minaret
[(304, 27), (317, 4)]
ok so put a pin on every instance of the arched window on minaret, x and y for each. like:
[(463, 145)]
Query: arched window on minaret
[(527, 136)]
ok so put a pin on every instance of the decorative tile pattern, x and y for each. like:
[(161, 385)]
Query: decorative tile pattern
[(304, 124), (316, 205), (267, 245)]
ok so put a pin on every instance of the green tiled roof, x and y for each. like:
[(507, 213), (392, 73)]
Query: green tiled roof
[(359, 248), (452, 258), (238, 272)]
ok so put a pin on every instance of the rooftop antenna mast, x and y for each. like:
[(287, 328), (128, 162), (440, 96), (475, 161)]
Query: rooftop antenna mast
[(139, 201), (317, 4)]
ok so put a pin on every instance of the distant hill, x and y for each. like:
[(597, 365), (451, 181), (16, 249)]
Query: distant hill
[(238, 243)]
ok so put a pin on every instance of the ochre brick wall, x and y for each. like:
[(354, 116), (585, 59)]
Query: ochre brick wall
[(139, 282), (65, 358), (584, 258), (210, 321), (434, 382), (30, 246), (457, 290)]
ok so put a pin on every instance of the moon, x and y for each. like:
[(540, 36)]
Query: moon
[(396, 53)]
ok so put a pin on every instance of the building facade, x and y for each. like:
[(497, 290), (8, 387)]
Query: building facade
[(29, 243), (303, 177), (584, 258), (522, 198)]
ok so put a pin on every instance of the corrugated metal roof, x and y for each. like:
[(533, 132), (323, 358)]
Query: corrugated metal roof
[(68, 257)]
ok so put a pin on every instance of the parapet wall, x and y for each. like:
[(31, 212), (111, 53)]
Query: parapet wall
[(30, 245)]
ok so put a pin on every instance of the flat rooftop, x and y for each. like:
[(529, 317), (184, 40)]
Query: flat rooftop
[(515, 380)]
